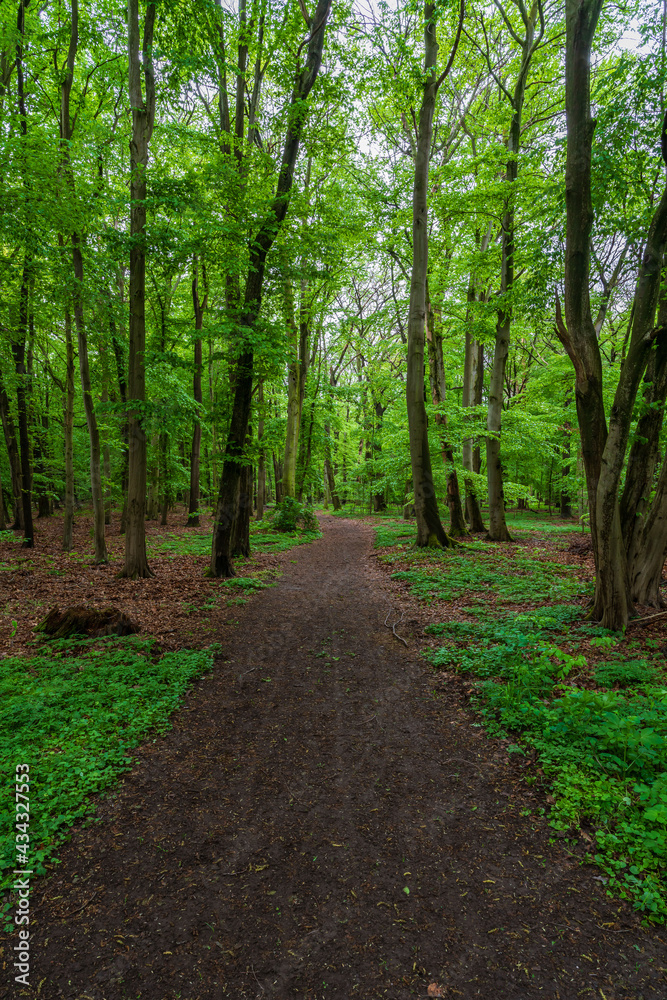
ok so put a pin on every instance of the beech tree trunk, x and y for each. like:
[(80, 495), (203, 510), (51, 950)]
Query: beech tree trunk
[(100, 555), (22, 389), (230, 481), (14, 454), (430, 531), (68, 428), (457, 525), (473, 382), (603, 449), (498, 531), (298, 340), (143, 115), (195, 454), (261, 460)]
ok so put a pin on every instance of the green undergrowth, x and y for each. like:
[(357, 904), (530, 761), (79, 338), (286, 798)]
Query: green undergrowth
[(74, 712), (263, 538), (602, 746), (591, 703), (479, 570)]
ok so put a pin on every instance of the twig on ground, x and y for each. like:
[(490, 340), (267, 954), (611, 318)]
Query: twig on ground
[(393, 627), (73, 913), (649, 618)]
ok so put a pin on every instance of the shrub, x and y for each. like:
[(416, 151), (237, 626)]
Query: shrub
[(290, 515)]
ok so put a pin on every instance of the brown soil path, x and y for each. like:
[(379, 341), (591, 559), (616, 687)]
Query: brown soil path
[(264, 847)]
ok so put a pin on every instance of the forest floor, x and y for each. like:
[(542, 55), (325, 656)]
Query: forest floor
[(327, 819)]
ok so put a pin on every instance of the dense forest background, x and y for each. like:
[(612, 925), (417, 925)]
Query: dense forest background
[(209, 295)]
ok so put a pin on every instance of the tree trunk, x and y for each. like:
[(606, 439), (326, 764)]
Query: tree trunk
[(122, 388), (241, 527), (430, 531), (261, 461), (143, 114), (89, 407), (195, 454), (14, 456), (473, 383), (603, 451), (68, 427), (565, 499), (22, 389), (498, 531), (229, 493), (457, 525)]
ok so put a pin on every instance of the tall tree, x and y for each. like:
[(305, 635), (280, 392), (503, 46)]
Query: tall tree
[(603, 446), (143, 118), (229, 497), (429, 526), (76, 239)]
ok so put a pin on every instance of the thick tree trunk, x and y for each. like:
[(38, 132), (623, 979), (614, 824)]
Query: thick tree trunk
[(241, 527), (143, 114), (430, 531), (603, 452)]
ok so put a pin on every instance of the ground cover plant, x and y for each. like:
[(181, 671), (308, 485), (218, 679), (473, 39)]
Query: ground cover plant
[(592, 704), (74, 711)]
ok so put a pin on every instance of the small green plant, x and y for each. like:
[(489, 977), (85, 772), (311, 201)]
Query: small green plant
[(290, 515), (625, 674)]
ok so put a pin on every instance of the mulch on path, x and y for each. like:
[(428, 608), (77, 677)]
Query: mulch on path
[(322, 822)]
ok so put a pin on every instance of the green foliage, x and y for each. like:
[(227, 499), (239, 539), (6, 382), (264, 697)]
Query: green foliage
[(626, 674), (74, 715), (605, 752), (485, 571), (290, 515)]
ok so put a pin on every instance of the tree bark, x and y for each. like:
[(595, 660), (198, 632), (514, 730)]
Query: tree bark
[(143, 116)]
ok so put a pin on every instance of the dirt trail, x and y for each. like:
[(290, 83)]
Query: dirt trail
[(265, 847)]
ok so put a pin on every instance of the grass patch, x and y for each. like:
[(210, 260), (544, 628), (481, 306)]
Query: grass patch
[(262, 539), (74, 713)]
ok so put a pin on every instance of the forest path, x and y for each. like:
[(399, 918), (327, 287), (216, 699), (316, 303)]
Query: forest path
[(264, 846)]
